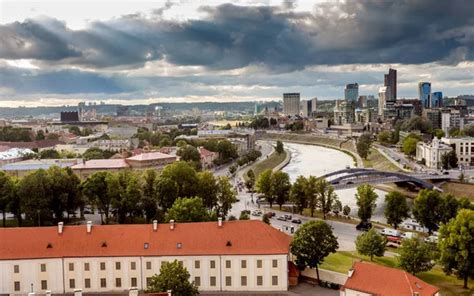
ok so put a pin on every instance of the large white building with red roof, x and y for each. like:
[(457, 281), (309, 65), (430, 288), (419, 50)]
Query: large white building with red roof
[(220, 256), (367, 279)]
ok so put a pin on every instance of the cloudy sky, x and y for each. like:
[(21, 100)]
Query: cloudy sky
[(61, 52)]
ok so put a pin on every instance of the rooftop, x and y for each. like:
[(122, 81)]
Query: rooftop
[(385, 281), (150, 156), (35, 164), (249, 237), (102, 164)]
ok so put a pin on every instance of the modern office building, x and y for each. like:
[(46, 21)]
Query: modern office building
[(291, 104), (424, 94), (436, 100), (351, 92), (390, 81), (306, 108), (383, 95), (433, 116), (314, 106), (220, 256)]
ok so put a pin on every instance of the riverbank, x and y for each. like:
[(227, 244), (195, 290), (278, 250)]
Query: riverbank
[(342, 145), (275, 161)]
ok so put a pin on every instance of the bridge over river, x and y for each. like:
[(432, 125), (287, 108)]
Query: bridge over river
[(353, 177)]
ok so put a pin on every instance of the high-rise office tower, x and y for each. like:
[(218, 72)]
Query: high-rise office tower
[(436, 99), (306, 108), (424, 94), (383, 94), (390, 81), (291, 104), (351, 92), (314, 104)]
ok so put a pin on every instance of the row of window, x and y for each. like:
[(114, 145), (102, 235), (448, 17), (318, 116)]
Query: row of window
[(133, 282), (148, 265)]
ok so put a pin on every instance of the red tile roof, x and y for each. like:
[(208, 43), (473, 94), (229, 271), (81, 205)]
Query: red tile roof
[(385, 281), (101, 164), (204, 238), (150, 156), (204, 152)]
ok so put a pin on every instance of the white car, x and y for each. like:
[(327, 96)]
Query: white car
[(431, 239), (391, 232), (408, 235), (256, 213)]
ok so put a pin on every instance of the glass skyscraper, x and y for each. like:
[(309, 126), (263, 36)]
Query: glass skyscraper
[(424, 94), (437, 99)]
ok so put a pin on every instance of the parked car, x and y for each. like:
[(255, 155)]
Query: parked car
[(288, 217), (281, 218), (296, 221), (269, 214), (256, 213), (431, 239), (364, 226), (390, 232), (408, 235), (393, 241)]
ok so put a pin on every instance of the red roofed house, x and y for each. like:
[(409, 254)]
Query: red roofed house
[(207, 157), (370, 279), (220, 256)]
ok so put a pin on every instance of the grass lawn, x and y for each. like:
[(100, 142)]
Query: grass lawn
[(272, 161), (379, 162), (459, 189), (342, 261)]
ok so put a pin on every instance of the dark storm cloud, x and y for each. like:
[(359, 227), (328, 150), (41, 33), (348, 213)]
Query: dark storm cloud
[(236, 36)]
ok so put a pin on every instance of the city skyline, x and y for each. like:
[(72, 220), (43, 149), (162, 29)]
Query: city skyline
[(148, 52)]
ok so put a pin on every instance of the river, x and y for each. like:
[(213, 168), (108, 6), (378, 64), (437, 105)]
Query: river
[(314, 160)]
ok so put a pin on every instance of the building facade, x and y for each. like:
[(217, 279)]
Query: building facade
[(424, 94), (220, 256), (390, 81), (464, 148), (432, 153), (436, 100), (451, 118), (291, 104), (351, 92)]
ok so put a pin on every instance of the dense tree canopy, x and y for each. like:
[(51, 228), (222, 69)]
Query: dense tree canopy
[(174, 277)]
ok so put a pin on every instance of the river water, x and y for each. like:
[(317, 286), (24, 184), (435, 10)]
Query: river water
[(311, 160)]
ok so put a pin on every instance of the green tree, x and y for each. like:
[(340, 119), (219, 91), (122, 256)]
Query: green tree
[(305, 240), (250, 182), (325, 196), (226, 196), (449, 160), (438, 133), (279, 147), (456, 245), (95, 189), (468, 130), (346, 210), (312, 194), (298, 194), (415, 255), (165, 141), (264, 186), (73, 129), (366, 198), (36, 197), (396, 208), (426, 209), (244, 215), (65, 191), (149, 194), (363, 145), (226, 150), (385, 137), (409, 144), (417, 123), (189, 153), (49, 154), (454, 132), (173, 276), (39, 135), (166, 192), (280, 187), (6, 194), (184, 176), (232, 169), (371, 244), (133, 197), (265, 219), (188, 210), (336, 207), (448, 207), (207, 188)]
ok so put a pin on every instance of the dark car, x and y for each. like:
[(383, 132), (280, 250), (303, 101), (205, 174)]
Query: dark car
[(296, 221), (364, 226)]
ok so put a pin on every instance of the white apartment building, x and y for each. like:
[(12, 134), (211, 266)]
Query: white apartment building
[(220, 256), (291, 104), (464, 148), (451, 119), (432, 153)]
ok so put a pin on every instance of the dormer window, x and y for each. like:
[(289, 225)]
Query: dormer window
[(146, 246), (104, 245), (229, 244), (179, 245), (49, 246)]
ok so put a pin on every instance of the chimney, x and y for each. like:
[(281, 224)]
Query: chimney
[(171, 224), (60, 227), (155, 225), (89, 226), (219, 222), (350, 272)]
